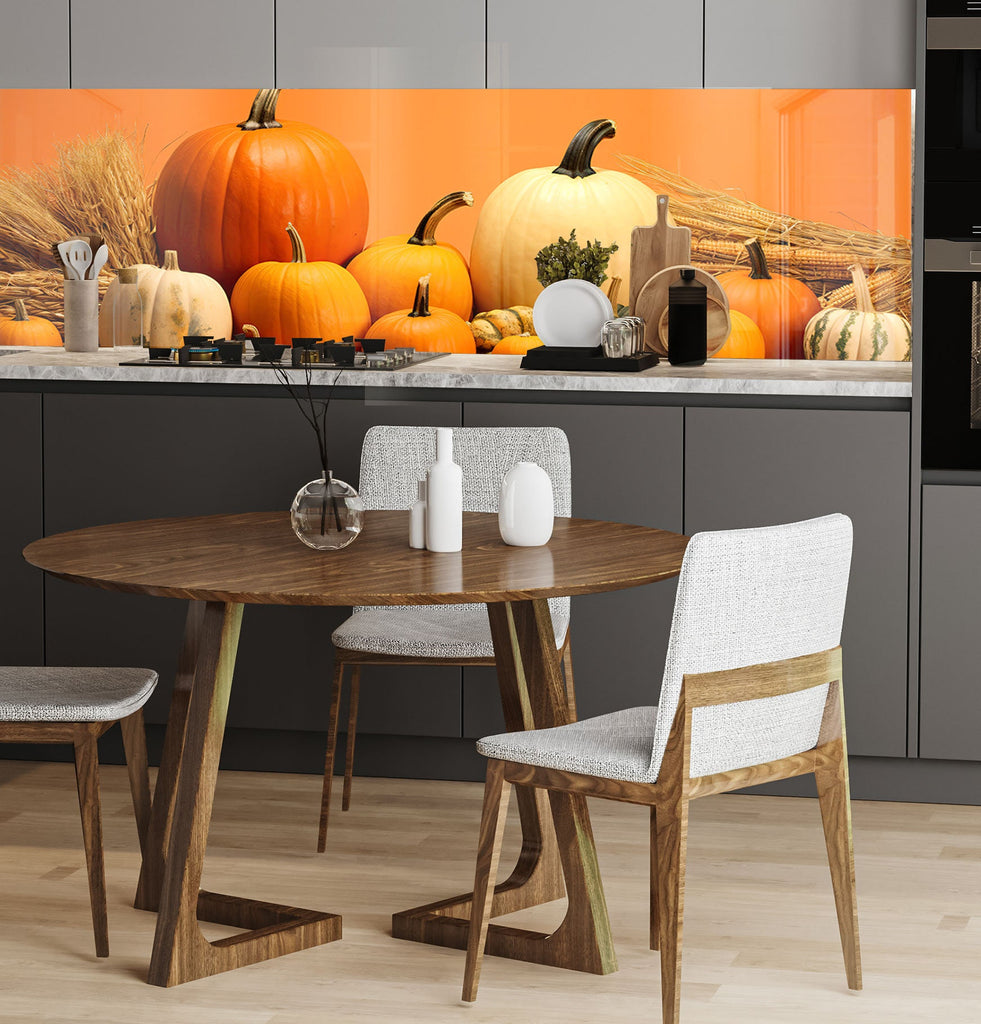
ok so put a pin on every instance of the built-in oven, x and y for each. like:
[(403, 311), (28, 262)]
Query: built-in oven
[(951, 294)]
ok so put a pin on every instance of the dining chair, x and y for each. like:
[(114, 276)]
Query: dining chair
[(751, 693), (393, 460), (77, 705)]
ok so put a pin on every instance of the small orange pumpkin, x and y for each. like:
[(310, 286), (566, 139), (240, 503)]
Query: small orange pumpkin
[(300, 299), (780, 306), (389, 269), (423, 328), (28, 330), (516, 345), (745, 339)]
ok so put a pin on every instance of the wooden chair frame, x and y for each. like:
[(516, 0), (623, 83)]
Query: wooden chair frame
[(84, 737), (343, 658), (669, 798)]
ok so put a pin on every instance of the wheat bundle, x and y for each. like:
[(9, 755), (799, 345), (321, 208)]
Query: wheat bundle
[(93, 186), (811, 251)]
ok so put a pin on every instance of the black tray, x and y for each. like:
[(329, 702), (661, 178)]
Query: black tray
[(553, 357)]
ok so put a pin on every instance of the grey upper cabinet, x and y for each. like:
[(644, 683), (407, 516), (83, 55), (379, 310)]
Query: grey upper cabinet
[(34, 46), (802, 44), (759, 467), (581, 44), (950, 610), (385, 44), (143, 44)]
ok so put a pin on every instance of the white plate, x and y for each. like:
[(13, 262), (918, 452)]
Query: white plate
[(571, 313)]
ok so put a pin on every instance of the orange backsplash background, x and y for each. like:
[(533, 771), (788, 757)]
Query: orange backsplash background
[(842, 156)]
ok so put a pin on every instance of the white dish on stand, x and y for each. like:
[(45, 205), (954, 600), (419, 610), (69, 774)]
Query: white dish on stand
[(571, 314)]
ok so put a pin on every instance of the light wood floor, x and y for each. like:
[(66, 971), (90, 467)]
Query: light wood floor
[(761, 944)]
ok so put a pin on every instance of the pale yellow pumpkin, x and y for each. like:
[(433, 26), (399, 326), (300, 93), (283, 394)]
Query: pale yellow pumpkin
[(175, 303), (533, 208), (859, 333)]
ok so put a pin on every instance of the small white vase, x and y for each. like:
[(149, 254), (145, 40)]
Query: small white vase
[(527, 510), (444, 497)]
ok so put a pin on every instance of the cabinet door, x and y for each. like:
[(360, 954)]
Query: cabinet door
[(34, 46), (581, 44), (799, 44), (384, 44), (758, 467), (950, 611), (185, 44), (21, 521), (113, 458), (626, 466)]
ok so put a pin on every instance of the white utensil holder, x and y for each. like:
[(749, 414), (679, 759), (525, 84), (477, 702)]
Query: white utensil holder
[(81, 316)]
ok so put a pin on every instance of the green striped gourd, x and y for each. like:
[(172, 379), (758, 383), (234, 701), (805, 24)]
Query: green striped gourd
[(859, 333)]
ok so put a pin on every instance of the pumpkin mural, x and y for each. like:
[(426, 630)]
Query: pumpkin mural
[(300, 299), (389, 269), (28, 330), (780, 306), (225, 193), (423, 327), (859, 333), (534, 207), (175, 302), (745, 339)]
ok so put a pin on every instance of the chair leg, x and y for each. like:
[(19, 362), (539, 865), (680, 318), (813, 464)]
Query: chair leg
[(334, 714), (134, 744), (87, 779), (497, 792), (836, 814), (570, 685), (655, 917), (671, 841), (352, 728)]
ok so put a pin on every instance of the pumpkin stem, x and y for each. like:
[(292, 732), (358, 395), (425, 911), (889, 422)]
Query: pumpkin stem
[(20, 310), (251, 330), (613, 292), (170, 260), (863, 297), (576, 162), (421, 306), (759, 270), (425, 233), (299, 249), (263, 112)]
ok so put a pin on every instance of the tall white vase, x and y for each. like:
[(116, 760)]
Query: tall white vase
[(526, 513), (444, 497)]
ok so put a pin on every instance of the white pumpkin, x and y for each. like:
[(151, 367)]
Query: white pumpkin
[(175, 303)]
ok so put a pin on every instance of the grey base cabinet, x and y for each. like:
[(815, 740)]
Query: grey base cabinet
[(950, 614), (626, 466), (758, 467)]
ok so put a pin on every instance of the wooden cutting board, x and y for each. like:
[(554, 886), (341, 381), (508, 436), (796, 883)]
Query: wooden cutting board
[(652, 306), (655, 247)]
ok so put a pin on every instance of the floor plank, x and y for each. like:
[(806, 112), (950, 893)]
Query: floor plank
[(761, 942)]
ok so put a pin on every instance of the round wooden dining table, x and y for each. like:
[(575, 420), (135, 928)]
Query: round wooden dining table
[(221, 563)]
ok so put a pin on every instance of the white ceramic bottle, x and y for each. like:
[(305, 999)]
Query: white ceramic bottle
[(526, 513), (444, 497), (417, 519)]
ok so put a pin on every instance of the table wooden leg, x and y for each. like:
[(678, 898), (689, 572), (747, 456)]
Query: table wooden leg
[(182, 813), (532, 696)]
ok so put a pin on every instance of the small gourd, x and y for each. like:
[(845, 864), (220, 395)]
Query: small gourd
[(859, 333), (424, 328), (745, 339), (28, 330), (517, 345), (490, 327)]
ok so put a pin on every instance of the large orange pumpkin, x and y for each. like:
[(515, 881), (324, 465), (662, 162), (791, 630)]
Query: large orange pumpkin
[(389, 269), (424, 328), (225, 193), (300, 299), (28, 330), (780, 306), (745, 339)]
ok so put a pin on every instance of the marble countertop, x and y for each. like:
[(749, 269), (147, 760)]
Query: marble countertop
[(493, 373)]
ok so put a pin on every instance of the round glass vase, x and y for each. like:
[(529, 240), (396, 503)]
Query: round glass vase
[(327, 514)]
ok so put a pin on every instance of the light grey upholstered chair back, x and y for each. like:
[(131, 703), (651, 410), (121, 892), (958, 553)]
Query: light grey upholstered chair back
[(395, 458), (746, 597)]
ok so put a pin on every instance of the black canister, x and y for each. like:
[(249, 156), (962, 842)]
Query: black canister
[(687, 320)]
